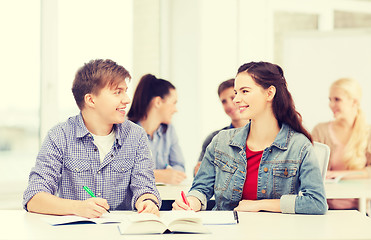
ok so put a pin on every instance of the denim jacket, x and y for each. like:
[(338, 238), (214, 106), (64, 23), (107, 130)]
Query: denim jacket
[(288, 171)]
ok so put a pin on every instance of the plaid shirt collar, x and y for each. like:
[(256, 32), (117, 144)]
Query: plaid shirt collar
[(121, 133)]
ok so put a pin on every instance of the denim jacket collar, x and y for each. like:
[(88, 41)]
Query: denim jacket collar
[(281, 141)]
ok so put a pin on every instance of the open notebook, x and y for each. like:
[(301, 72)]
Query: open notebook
[(73, 219)]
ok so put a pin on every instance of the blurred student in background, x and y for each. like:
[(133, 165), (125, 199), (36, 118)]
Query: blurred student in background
[(348, 136), (153, 106), (226, 95), (268, 165)]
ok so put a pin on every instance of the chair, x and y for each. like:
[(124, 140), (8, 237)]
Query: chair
[(323, 155)]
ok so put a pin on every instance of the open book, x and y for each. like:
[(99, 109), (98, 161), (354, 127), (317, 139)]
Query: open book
[(72, 219), (171, 221)]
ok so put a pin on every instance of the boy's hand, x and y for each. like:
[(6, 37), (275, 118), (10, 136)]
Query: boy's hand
[(148, 206), (92, 207)]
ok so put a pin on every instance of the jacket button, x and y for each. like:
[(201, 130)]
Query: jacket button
[(265, 169), (263, 191), (95, 149), (285, 173)]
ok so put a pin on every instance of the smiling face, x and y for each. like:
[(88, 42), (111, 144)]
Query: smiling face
[(341, 104), (250, 97), (168, 106), (110, 104), (230, 108)]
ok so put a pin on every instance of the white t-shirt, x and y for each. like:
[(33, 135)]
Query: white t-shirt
[(104, 144)]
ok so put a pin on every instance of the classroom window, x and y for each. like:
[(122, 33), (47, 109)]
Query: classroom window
[(19, 96)]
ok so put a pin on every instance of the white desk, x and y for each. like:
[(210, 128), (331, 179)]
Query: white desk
[(357, 188), (360, 188), (18, 224)]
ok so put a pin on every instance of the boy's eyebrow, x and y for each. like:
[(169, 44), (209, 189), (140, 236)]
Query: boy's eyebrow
[(121, 88)]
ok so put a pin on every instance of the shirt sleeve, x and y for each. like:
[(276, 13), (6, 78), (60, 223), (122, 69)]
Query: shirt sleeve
[(142, 177), (203, 183), (176, 159), (205, 144), (45, 175), (311, 198)]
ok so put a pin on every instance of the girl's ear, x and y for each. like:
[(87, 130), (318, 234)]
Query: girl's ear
[(89, 100), (157, 101), (271, 92)]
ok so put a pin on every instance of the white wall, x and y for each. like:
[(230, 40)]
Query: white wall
[(312, 61), (207, 40), (203, 42)]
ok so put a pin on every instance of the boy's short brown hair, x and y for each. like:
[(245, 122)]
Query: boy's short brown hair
[(225, 85), (94, 76)]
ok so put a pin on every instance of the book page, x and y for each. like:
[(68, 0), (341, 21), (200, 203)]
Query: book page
[(171, 217), (184, 222), (143, 223), (71, 219)]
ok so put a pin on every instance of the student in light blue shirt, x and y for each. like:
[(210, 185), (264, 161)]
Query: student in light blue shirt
[(153, 106)]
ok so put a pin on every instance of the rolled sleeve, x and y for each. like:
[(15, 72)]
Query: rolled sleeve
[(143, 179), (287, 203), (176, 159), (200, 196), (45, 175)]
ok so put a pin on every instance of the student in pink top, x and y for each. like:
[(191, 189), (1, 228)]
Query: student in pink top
[(348, 135)]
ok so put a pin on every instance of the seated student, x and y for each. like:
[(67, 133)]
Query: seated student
[(348, 136), (268, 165), (154, 104), (97, 148), (226, 96)]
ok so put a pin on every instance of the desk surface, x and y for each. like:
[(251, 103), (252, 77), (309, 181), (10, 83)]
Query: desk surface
[(18, 224), (352, 188), (344, 189)]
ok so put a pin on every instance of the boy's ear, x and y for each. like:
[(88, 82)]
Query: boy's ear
[(89, 100), (271, 92)]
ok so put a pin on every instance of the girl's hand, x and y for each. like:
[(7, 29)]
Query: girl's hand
[(270, 205), (248, 206), (194, 204)]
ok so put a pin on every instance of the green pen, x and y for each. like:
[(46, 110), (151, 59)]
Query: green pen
[(91, 194)]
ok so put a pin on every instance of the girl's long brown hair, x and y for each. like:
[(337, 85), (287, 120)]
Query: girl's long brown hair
[(267, 74)]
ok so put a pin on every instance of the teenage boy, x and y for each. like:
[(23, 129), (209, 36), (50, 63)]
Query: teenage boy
[(98, 149), (226, 95)]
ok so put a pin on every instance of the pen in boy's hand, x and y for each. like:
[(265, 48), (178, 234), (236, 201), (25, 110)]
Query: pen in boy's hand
[(92, 194), (184, 198)]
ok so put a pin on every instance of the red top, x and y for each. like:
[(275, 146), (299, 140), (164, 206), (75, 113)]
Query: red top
[(250, 187)]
